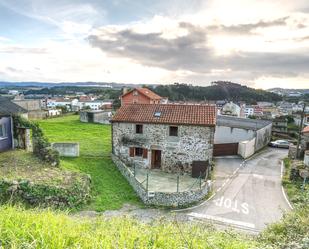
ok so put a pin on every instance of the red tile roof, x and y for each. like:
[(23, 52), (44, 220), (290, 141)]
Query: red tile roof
[(145, 91), (306, 129), (202, 115)]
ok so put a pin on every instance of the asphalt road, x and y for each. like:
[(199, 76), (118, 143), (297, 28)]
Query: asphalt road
[(248, 193)]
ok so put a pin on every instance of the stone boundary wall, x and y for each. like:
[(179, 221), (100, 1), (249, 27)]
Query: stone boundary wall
[(67, 149), (173, 199)]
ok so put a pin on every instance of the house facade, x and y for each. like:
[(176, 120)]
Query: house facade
[(7, 110), (140, 96), (163, 136)]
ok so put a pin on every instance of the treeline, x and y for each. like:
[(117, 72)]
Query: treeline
[(106, 93), (219, 90)]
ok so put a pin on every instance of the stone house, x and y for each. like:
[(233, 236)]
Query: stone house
[(140, 96), (7, 110), (169, 137)]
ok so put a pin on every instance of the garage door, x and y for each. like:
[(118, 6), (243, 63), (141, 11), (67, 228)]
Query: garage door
[(225, 149)]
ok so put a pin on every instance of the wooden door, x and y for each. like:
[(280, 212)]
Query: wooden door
[(156, 159), (225, 149)]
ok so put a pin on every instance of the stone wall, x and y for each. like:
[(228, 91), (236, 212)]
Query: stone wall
[(67, 149), (173, 199), (193, 143)]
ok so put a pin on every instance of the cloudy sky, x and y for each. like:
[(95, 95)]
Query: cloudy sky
[(259, 43)]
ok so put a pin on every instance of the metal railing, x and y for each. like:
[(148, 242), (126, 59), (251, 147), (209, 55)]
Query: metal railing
[(146, 178)]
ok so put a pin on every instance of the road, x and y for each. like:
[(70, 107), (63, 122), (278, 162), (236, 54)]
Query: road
[(250, 196)]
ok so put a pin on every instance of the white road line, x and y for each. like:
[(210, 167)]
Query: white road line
[(223, 220), (283, 191)]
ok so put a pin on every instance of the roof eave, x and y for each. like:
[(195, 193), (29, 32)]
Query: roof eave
[(162, 123)]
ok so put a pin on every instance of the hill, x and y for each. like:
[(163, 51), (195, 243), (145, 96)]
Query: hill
[(218, 90)]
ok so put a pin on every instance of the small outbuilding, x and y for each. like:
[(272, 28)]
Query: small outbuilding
[(96, 116), (240, 135)]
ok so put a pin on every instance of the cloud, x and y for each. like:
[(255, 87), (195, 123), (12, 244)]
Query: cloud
[(248, 28), (22, 50), (192, 52)]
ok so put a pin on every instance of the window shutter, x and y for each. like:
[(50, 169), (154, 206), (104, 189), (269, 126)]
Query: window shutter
[(131, 151), (145, 153)]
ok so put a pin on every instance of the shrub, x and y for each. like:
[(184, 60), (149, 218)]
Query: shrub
[(41, 146), (46, 195)]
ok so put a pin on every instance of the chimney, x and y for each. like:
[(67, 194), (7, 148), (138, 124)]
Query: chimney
[(124, 90)]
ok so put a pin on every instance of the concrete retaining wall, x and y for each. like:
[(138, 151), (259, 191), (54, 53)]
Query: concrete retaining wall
[(246, 148), (174, 199), (67, 149), (263, 137)]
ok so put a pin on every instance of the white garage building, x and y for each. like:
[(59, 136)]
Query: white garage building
[(240, 136)]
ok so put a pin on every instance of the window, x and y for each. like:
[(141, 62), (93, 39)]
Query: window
[(138, 151), (139, 129), (173, 131), (157, 114), (135, 93), (2, 131)]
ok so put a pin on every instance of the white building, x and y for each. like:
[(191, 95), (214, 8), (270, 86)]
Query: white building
[(248, 111), (53, 112)]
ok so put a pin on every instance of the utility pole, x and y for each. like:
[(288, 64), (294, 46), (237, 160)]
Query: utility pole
[(300, 129)]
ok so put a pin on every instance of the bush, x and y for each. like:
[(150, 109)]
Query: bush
[(45, 195), (291, 232), (41, 146)]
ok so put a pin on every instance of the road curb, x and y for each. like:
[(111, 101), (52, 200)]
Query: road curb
[(282, 188)]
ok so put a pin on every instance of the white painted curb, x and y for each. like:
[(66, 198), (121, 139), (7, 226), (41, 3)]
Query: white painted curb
[(282, 189)]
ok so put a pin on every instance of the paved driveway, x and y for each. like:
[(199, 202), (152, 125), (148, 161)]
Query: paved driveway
[(251, 197)]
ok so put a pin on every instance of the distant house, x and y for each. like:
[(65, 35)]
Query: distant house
[(53, 112), (96, 104), (280, 125), (173, 138), (32, 106), (7, 110), (140, 96), (248, 111)]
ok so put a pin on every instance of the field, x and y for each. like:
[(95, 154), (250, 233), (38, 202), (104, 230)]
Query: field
[(109, 189)]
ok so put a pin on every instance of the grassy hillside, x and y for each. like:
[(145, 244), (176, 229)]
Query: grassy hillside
[(217, 91), (21, 228), (45, 229), (109, 189)]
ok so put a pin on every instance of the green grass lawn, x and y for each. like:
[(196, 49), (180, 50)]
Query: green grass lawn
[(110, 189), (296, 195)]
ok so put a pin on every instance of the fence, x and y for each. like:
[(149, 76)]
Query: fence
[(176, 198)]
